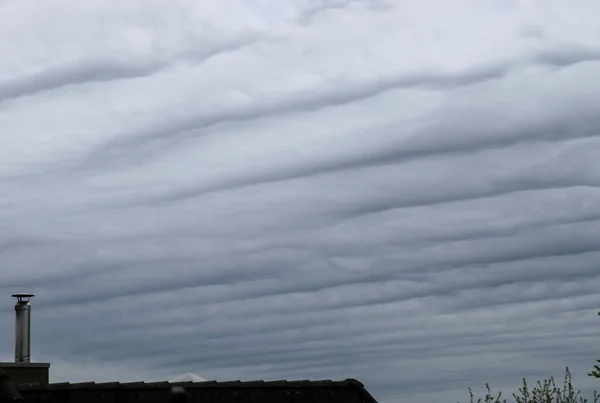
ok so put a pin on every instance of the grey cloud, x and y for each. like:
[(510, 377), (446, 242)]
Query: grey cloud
[(426, 144), (154, 139), (443, 221), (158, 138), (89, 70), (77, 73), (315, 8), (568, 56)]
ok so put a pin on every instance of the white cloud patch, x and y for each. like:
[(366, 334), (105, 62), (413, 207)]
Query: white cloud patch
[(395, 191)]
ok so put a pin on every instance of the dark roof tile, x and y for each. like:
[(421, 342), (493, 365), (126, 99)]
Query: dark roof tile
[(326, 391)]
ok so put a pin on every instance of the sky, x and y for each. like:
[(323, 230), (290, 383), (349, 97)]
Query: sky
[(406, 193)]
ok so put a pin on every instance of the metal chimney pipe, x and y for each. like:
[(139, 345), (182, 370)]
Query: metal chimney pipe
[(22, 327)]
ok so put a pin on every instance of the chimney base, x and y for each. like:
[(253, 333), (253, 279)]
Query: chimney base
[(27, 372)]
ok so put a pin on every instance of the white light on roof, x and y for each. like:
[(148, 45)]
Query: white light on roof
[(188, 377)]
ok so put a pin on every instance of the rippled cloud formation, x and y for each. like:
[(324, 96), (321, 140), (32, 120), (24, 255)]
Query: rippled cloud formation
[(402, 192)]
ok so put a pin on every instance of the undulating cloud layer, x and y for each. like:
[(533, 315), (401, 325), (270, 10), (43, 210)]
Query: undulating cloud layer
[(402, 192)]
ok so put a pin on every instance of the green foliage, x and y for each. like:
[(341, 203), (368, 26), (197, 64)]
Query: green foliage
[(544, 392), (596, 372)]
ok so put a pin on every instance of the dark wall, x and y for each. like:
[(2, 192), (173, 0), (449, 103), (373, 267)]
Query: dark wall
[(20, 373)]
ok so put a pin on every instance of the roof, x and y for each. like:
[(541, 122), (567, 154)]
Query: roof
[(327, 391)]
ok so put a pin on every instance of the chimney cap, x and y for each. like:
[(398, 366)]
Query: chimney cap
[(23, 296)]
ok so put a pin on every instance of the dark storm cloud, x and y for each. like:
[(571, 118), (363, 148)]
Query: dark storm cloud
[(309, 190)]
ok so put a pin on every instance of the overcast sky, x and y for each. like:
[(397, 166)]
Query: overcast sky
[(402, 192)]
